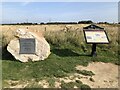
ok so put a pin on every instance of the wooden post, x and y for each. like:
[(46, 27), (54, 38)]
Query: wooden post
[(93, 53)]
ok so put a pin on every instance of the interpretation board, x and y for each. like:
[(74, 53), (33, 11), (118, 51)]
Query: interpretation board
[(96, 36), (27, 46)]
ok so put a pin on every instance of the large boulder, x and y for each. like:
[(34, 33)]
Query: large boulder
[(42, 48)]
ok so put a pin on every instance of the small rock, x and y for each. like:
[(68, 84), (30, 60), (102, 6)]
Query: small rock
[(91, 79)]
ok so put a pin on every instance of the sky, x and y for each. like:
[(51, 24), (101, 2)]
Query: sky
[(37, 12)]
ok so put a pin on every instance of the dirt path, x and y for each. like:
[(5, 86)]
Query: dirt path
[(106, 75)]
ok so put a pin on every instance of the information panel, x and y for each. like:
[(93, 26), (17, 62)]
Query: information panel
[(96, 36), (27, 46)]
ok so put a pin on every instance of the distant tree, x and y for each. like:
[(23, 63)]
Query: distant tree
[(103, 23), (42, 23), (61, 23), (35, 23), (17, 23), (85, 22), (27, 23), (21, 23)]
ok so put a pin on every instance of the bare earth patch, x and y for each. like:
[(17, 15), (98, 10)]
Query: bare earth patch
[(16, 84), (106, 75), (44, 83)]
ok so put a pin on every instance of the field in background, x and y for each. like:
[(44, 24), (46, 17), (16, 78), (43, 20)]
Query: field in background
[(60, 35), (68, 49)]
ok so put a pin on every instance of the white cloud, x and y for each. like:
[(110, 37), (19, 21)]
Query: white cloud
[(25, 3)]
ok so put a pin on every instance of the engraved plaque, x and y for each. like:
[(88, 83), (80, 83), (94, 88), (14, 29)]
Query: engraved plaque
[(27, 46)]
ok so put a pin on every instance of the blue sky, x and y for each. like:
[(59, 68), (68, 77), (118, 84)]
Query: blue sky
[(13, 12)]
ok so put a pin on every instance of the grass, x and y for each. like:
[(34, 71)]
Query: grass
[(68, 49), (56, 65)]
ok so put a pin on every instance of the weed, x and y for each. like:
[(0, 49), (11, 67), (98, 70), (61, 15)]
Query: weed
[(51, 82)]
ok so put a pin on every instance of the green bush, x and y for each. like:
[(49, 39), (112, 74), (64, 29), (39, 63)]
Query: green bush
[(85, 72), (67, 85), (85, 87)]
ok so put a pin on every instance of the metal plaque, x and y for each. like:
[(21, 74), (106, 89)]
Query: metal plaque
[(27, 46)]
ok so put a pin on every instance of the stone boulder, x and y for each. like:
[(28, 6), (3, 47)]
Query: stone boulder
[(42, 48)]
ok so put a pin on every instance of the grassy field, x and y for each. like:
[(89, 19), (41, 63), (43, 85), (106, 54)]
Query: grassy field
[(68, 49)]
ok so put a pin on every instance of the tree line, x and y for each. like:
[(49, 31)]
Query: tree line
[(52, 23)]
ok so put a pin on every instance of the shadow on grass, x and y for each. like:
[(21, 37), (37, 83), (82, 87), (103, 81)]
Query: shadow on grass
[(6, 55), (59, 52), (66, 53)]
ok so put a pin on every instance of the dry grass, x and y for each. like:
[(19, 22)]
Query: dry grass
[(62, 34)]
